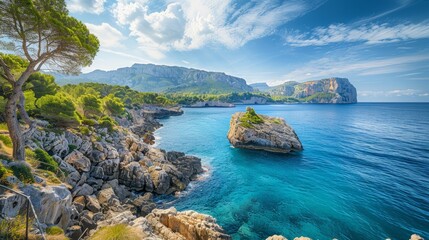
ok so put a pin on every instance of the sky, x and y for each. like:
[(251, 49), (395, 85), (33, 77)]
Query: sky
[(381, 46)]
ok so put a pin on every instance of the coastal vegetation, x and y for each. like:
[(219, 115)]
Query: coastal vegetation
[(249, 118)]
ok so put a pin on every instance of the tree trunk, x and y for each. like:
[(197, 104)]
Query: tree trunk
[(13, 125), (23, 112)]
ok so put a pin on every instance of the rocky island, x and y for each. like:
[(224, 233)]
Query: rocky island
[(254, 131)]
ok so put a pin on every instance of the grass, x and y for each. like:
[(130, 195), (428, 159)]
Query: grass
[(13, 228), (3, 126), (54, 230), (6, 140), (46, 161), (116, 232), (277, 121), (4, 173), (250, 118)]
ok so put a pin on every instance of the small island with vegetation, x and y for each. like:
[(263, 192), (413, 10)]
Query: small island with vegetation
[(254, 131)]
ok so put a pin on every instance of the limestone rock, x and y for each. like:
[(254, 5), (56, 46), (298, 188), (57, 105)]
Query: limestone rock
[(83, 190), (170, 224), (52, 203), (276, 237), (416, 237), (11, 204), (302, 238), (273, 135), (160, 179), (105, 196), (78, 161), (92, 204), (132, 175)]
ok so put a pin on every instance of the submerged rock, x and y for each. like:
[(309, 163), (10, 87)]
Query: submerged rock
[(254, 131)]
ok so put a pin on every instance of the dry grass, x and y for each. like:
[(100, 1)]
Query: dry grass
[(116, 232)]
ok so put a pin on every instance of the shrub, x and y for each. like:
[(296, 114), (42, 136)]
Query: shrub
[(6, 140), (250, 117), (113, 105), (54, 230), (90, 105), (84, 130), (116, 232), (46, 161), (106, 122), (12, 228), (89, 122), (22, 172), (72, 147), (59, 110), (4, 172)]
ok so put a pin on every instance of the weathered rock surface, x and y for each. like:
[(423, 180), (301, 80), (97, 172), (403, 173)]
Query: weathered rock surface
[(331, 90), (273, 135), (276, 237)]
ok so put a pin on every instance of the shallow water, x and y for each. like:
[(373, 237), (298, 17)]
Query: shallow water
[(364, 173)]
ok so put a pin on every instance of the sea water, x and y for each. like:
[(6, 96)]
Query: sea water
[(363, 174)]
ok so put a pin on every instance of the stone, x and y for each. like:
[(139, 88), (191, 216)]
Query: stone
[(92, 204), (11, 204), (79, 203), (272, 135), (132, 175), (276, 237), (83, 190), (160, 179), (302, 238), (52, 203), (416, 237), (78, 161), (110, 168), (170, 224), (74, 232), (104, 196)]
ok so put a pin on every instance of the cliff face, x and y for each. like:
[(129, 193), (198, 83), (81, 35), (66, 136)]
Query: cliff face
[(331, 90), (157, 78)]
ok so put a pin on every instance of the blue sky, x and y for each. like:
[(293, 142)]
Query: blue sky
[(382, 46)]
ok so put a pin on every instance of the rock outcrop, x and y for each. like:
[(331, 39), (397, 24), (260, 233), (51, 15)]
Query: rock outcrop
[(331, 90), (271, 134)]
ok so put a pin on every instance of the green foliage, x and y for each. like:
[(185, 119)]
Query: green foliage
[(3, 126), (318, 97), (59, 110), (72, 147), (89, 122), (54, 230), (42, 84), (46, 161), (4, 172), (113, 105), (30, 100), (116, 232), (84, 130), (90, 104), (6, 140), (22, 172), (250, 118), (277, 121), (106, 122)]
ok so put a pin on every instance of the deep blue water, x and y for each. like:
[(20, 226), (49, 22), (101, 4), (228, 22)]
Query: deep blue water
[(364, 173)]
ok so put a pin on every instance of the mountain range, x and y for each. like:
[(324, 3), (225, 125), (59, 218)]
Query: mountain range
[(172, 79)]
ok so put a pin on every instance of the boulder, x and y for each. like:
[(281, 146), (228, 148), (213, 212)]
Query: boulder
[(276, 237), (92, 204), (11, 204), (160, 179), (52, 203), (132, 175), (170, 224), (83, 190), (416, 237), (78, 161), (266, 133), (105, 196)]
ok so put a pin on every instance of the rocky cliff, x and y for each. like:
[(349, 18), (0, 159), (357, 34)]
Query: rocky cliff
[(254, 131), (331, 90), (158, 78)]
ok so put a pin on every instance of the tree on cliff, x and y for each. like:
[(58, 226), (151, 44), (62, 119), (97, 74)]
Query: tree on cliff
[(44, 35)]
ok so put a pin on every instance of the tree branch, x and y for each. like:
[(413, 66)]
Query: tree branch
[(7, 74)]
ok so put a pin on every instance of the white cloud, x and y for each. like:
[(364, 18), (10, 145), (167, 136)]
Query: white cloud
[(90, 6), (191, 24), (369, 34), (109, 36), (330, 67)]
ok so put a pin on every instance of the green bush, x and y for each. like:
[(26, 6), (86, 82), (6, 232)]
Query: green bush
[(54, 230), (72, 147), (59, 110), (106, 122), (90, 104), (46, 161), (84, 130), (116, 232), (4, 172), (89, 122), (113, 105), (250, 118), (6, 140), (22, 172)]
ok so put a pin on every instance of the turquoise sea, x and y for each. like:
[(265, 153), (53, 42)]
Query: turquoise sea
[(364, 173)]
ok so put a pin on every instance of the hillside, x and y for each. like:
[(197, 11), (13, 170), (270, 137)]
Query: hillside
[(331, 90), (168, 79)]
